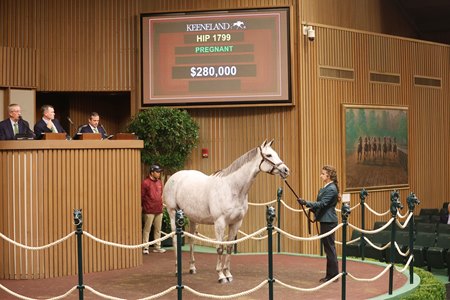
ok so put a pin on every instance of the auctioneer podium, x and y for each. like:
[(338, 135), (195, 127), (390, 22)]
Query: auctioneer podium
[(43, 181)]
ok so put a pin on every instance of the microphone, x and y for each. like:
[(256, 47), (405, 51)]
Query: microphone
[(105, 135), (28, 131), (70, 120), (101, 125)]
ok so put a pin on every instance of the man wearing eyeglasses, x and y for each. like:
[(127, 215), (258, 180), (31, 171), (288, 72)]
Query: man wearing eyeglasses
[(14, 126)]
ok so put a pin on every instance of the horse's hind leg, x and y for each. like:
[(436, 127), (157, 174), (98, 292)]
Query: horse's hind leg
[(174, 239), (192, 230)]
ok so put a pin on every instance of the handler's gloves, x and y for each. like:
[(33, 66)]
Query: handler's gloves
[(301, 201)]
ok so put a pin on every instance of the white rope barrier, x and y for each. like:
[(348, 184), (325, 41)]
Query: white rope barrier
[(375, 246), (349, 242), (374, 212), (399, 215), (28, 298), (169, 235), (101, 294), (257, 235), (263, 237), (262, 204), (293, 209), (226, 296), (354, 241), (373, 278), (372, 231), (403, 226), (309, 289), (400, 251), (225, 242), (247, 236), (163, 293), (351, 208), (316, 237), (38, 247), (406, 265)]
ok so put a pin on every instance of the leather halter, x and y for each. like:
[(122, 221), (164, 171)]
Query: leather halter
[(267, 160)]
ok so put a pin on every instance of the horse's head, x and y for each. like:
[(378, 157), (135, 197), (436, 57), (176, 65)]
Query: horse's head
[(271, 162)]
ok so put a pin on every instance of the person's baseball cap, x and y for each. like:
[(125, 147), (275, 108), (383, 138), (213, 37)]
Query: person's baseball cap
[(155, 168)]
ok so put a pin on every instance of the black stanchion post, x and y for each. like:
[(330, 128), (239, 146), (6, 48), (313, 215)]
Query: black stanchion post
[(179, 222), (279, 194), (362, 242), (395, 205), (412, 201), (345, 211), (78, 222), (270, 217)]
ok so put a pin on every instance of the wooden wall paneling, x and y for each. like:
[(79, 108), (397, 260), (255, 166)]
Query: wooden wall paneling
[(40, 210), (120, 218), (112, 223), (90, 41), (19, 68)]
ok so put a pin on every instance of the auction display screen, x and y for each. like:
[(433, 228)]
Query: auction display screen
[(216, 57)]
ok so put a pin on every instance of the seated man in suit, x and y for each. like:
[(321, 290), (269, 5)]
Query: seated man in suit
[(48, 123), (93, 126), (14, 125)]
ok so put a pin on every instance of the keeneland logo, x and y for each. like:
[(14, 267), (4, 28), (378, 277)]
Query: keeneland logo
[(215, 26)]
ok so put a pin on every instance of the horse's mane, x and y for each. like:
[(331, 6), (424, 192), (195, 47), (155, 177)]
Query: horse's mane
[(235, 165)]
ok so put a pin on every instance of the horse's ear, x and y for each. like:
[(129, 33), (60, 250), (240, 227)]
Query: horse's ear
[(270, 143), (264, 144)]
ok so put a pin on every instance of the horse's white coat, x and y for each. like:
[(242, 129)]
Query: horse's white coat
[(220, 199)]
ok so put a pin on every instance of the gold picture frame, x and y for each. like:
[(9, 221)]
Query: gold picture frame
[(375, 147)]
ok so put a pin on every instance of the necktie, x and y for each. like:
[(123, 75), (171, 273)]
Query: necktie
[(53, 128), (16, 128), (95, 130)]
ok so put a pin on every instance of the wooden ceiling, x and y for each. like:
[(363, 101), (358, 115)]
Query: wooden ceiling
[(429, 18)]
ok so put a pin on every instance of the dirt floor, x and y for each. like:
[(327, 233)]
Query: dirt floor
[(158, 274)]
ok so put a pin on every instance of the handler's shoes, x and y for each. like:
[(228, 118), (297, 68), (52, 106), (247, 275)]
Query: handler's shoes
[(160, 250), (145, 251)]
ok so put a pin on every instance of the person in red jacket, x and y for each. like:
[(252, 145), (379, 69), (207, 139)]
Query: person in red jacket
[(152, 207)]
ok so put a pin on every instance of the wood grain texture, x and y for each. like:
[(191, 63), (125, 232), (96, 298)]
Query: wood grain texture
[(43, 184)]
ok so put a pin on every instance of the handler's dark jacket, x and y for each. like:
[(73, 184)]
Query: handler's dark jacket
[(324, 207)]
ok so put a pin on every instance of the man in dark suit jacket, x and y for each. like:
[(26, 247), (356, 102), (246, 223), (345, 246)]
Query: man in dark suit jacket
[(93, 126), (7, 126), (48, 123), (324, 209)]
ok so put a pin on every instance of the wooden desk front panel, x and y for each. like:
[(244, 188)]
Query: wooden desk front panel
[(40, 188)]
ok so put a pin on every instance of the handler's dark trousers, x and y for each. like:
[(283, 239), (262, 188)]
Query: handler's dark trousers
[(330, 249)]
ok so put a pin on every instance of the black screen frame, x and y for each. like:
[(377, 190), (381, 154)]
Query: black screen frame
[(284, 76)]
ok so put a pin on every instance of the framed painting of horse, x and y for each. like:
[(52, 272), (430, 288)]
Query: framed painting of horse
[(375, 147)]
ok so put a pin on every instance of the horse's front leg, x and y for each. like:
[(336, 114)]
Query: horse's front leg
[(232, 232), (219, 265), (219, 227)]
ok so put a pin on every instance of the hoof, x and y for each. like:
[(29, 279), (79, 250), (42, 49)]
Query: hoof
[(192, 271), (230, 279), (223, 281)]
